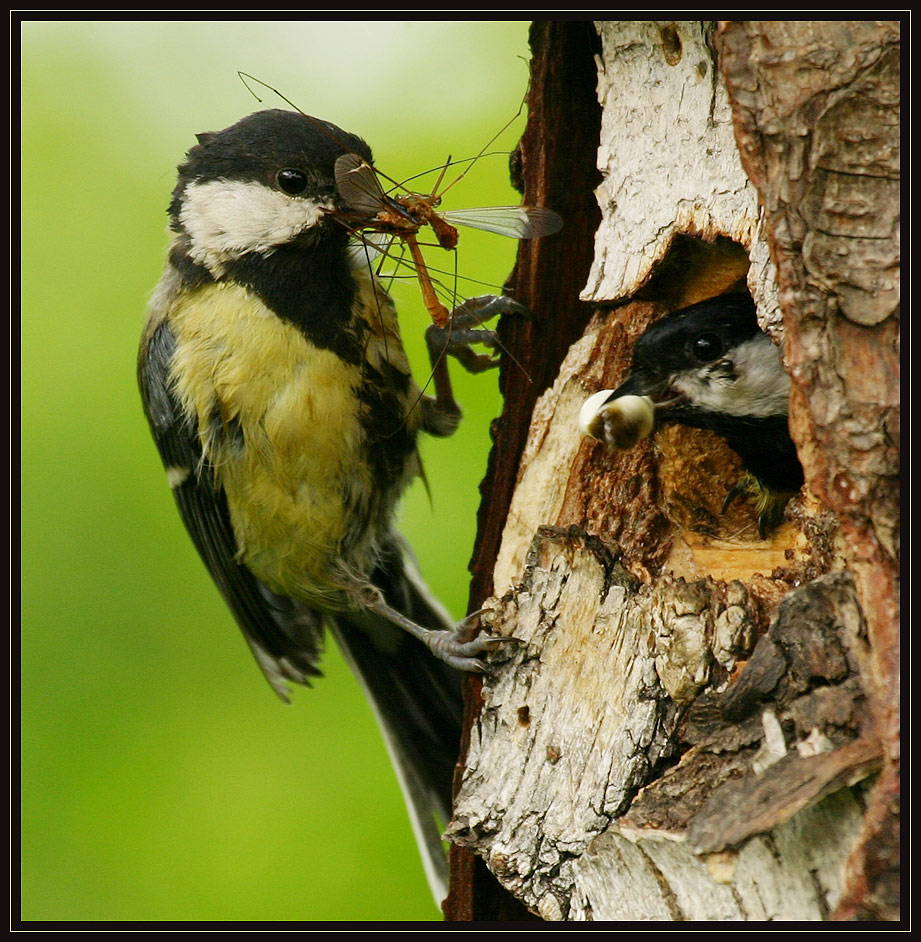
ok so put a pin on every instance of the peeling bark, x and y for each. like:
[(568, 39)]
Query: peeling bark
[(699, 723), (670, 164), (606, 732), (555, 167)]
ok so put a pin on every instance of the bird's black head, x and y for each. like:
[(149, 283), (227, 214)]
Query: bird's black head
[(709, 365), (696, 335), (261, 147), (267, 181)]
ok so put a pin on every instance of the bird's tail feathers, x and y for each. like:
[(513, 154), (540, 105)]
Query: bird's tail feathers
[(416, 699)]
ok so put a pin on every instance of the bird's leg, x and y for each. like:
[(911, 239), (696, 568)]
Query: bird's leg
[(741, 488), (456, 339), (455, 648)]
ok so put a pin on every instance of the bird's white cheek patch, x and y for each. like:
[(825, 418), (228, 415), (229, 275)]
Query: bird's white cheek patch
[(226, 219)]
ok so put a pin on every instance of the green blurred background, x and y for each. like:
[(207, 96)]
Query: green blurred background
[(161, 778)]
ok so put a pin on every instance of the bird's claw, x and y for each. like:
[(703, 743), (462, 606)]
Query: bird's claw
[(452, 648), (476, 311)]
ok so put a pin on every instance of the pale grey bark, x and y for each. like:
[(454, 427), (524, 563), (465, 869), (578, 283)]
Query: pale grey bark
[(686, 730)]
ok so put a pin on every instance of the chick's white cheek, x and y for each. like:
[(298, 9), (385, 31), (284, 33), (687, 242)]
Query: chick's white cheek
[(760, 387), (765, 389), (225, 219)]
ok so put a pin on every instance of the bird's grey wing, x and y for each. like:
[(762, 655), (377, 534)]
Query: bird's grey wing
[(285, 637)]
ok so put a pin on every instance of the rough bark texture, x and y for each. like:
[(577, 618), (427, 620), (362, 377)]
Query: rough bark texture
[(554, 167), (816, 109), (693, 723), (671, 169)]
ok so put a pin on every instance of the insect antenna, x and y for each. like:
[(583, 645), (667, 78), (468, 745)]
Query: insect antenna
[(473, 160), (320, 125), (451, 162)]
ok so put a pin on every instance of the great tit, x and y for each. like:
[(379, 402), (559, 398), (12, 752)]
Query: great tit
[(709, 366), (280, 398)]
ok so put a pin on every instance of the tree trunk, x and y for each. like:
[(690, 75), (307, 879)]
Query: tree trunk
[(698, 723)]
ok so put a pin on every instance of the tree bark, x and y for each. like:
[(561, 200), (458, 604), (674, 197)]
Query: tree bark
[(698, 723), (555, 167), (816, 110)]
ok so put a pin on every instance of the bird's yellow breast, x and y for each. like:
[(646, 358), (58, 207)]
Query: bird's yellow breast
[(280, 419)]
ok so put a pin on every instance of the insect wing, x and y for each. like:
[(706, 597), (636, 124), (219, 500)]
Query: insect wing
[(368, 247), (516, 222), (358, 185)]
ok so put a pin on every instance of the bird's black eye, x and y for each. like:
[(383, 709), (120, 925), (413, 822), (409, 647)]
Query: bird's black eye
[(707, 347), (291, 181)]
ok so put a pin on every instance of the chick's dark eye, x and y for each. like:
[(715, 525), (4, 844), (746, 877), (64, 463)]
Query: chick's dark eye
[(291, 181), (707, 347)]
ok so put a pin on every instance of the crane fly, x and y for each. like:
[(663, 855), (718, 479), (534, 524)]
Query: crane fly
[(372, 209)]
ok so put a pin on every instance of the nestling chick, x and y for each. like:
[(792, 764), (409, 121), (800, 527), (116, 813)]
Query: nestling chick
[(709, 366)]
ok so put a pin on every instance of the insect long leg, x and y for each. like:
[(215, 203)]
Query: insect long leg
[(437, 311)]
